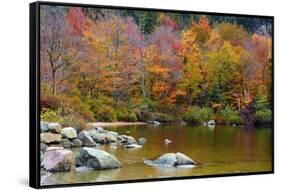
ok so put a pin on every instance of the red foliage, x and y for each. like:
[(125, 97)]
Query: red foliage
[(76, 19)]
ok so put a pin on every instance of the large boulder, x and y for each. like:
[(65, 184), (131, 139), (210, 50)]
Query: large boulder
[(96, 159), (86, 139), (54, 127), (69, 132), (57, 160), (76, 142), (102, 137), (166, 159), (50, 137), (44, 126), (172, 159), (66, 143)]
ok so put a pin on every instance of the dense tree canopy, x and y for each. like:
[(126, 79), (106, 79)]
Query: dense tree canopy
[(106, 64)]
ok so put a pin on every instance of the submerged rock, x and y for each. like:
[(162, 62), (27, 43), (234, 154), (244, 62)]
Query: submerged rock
[(50, 137), (69, 133), (86, 139), (132, 146), (142, 141), (96, 159), (57, 160), (172, 159)]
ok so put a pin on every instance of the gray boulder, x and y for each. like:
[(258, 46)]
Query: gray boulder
[(127, 139), (142, 141), (172, 159), (103, 137), (50, 137), (54, 127), (86, 139), (44, 126), (96, 159), (166, 159), (76, 142), (69, 132), (183, 159), (66, 143), (57, 160), (43, 146)]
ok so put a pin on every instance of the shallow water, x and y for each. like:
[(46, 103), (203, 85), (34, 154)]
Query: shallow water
[(217, 150)]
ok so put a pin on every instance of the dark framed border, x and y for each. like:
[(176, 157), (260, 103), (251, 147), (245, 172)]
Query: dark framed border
[(34, 93)]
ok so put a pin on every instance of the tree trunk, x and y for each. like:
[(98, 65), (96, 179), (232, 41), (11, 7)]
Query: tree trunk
[(54, 85)]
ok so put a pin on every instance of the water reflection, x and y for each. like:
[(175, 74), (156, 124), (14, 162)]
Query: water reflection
[(218, 150)]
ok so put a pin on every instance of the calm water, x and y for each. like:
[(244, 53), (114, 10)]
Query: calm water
[(217, 150)]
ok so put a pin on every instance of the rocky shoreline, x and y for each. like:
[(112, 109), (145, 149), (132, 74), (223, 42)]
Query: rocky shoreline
[(56, 155)]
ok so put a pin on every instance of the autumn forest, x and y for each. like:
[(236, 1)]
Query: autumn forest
[(134, 65)]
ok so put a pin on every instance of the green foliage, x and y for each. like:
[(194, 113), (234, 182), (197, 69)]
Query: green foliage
[(198, 115), (66, 120), (49, 115), (105, 113), (229, 116), (163, 118), (126, 115), (264, 116), (263, 111)]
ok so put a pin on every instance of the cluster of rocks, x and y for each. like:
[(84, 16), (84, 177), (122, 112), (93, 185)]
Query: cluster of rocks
[(55, 141), (52, 134), (56, 157), (99, 135)]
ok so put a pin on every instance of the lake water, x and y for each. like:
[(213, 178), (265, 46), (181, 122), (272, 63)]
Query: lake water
[(217, 150)]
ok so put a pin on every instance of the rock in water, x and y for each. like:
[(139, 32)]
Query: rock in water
[(102, 137), (76, 142), (86, 139), (54, 127), (172, 159), (167, 141), (182, 159), (166, 159), (142, 141), (44, 126), (66, 143), (96, 159), (132, 146), (50, 137), (57, 160), (127, 139), (69, 133), (211, 123)]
